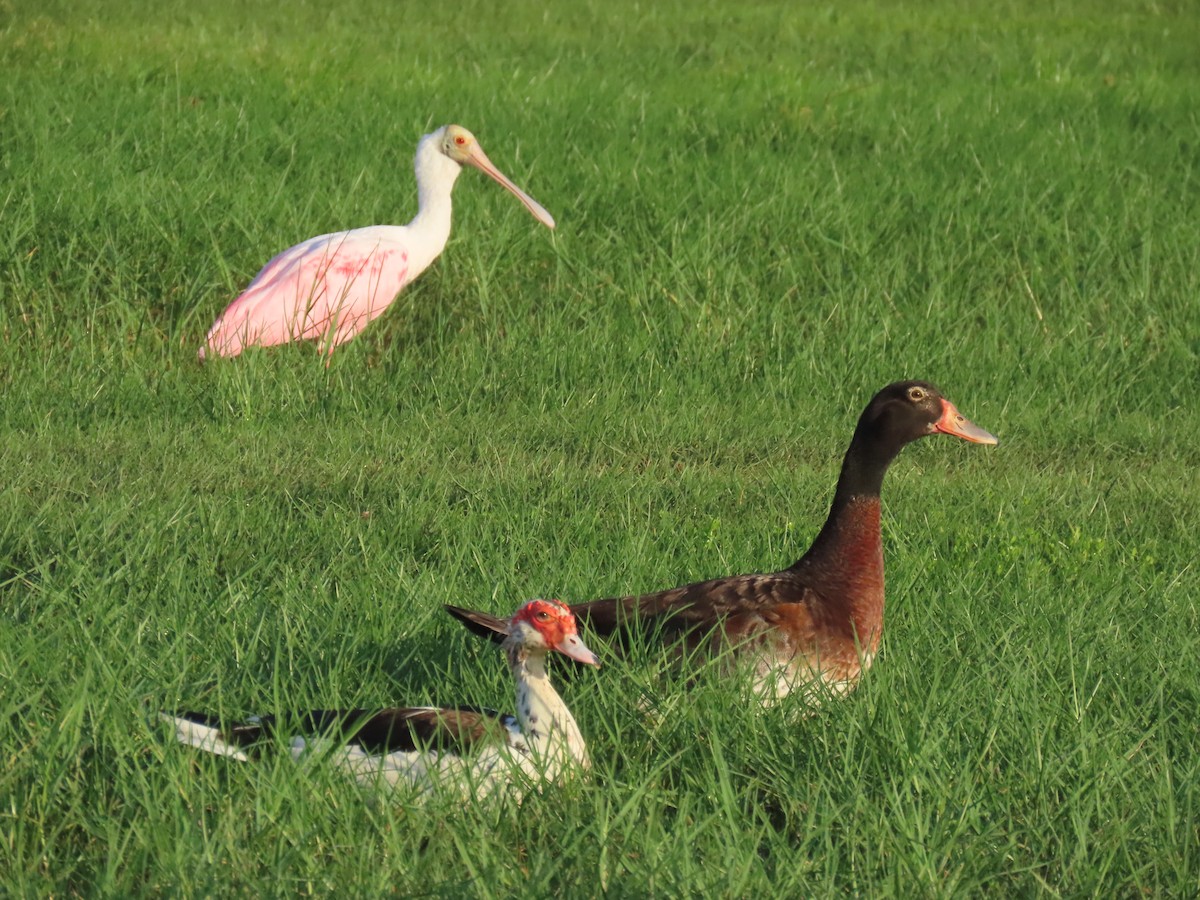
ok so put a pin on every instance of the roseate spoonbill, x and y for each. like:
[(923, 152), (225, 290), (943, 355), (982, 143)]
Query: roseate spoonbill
[(468, 751), (329, 288), (813, 627)]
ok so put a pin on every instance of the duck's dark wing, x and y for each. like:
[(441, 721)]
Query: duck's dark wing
[(480, 623), (701, 606), (375, 731), (412, 728)]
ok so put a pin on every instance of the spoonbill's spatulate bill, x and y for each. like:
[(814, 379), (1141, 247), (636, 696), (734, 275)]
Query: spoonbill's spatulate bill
[(813, 627), (466, 751), (329, 288)]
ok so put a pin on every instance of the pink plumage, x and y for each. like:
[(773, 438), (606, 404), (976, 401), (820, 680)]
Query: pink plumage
[(329, 288)]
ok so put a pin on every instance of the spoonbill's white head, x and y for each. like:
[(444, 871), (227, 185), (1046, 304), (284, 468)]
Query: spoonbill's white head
[(459, 145)]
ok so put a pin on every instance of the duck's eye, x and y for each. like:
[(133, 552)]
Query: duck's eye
[(542, 616), (916, 395)]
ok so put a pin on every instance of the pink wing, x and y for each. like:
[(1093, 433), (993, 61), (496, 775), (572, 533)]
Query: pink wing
[(327, 288)]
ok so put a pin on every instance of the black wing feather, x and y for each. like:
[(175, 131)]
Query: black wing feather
[(673, 612), (454, 730)]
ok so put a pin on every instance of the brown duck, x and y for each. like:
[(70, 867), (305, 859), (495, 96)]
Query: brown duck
[(814, 626)]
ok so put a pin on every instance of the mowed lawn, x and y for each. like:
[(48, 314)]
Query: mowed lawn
[(766, 211)]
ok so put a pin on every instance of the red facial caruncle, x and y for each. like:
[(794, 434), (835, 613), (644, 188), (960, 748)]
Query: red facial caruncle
[(553, 620)]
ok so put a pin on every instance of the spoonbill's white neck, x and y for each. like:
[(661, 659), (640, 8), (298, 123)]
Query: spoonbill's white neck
[(436, 174)]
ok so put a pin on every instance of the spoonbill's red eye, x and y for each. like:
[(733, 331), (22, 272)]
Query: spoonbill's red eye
[(460, 140)]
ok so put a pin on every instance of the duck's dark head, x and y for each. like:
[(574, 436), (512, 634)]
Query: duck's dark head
[(906, 410), (897, 415)]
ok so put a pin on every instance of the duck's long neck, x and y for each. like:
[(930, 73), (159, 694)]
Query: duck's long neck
[(845, 562), (548, 726)]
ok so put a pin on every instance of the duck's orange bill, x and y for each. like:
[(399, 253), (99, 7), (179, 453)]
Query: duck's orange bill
[(955, 423)]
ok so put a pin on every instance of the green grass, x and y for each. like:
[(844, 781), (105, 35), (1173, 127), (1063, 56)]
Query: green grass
[(766, 212)]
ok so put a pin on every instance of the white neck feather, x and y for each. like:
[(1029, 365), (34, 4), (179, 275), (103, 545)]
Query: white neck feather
[(548, 726), (436, 174)]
